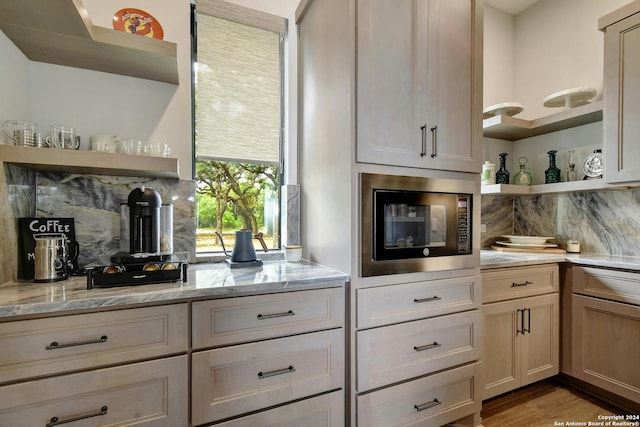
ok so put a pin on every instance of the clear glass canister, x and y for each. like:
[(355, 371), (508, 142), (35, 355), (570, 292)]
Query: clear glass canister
[(166, 229)]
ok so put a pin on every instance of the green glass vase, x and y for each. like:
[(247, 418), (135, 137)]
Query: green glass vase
[(552, 174), (502, 175)]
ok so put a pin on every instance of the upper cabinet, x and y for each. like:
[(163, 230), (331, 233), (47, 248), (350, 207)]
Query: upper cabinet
[(60, 32), (419, 83), (622, 90)]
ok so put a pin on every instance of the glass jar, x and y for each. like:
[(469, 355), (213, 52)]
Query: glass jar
[(502, 175), (523, 177), (552, 174), (572, 173)]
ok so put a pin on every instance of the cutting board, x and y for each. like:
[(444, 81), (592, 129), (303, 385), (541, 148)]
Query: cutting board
[(539, 251)]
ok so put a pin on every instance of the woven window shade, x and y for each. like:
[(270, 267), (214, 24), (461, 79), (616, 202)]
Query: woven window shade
[(238, 92)]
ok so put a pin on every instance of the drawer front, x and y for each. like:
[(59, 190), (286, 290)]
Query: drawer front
[(411, 301), (234, 380), (508, 283), (326, 410), (243, 319), (400, 352), (615, 285), (60, 344), (430, 401), (151, 393)]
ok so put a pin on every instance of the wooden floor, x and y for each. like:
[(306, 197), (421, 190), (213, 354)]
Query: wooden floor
[(543, 404)]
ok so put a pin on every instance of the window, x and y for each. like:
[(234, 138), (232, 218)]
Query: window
[(238, 108)]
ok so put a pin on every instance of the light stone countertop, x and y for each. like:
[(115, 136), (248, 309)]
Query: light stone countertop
[(203, 281), (497, 259)]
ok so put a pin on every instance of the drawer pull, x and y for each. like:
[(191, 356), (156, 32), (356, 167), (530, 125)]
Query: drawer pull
[(55, 345), (427, 347), (274, 315), (430, 299), (262, 375), (55, 421), (526, 282), (427, 405)]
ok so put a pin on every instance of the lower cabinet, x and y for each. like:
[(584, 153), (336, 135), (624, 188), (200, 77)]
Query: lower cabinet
[(103, 397), (521, 343)]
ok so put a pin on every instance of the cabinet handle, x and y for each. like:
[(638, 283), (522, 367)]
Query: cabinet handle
[(423, 129), (433, 298), (520, 312), (55, 421), (427, 405), (427, 346), (526, 282), (262, 375), (434, 140), (55, 345), (528, 310), (274, 315)]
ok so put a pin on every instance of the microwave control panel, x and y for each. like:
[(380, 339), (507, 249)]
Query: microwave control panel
[(464, 227)]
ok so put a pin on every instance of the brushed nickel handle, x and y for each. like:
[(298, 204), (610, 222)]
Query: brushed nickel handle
[(430, 299), (262, 375), (427, 405), (55, 421), (427, 346), (55, 345), (525, 283), (423, 130), (434, 140), (274, 315)]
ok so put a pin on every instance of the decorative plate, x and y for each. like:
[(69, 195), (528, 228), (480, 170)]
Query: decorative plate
[(534, 240), (592, 166), (527, 245), (136, 21), (506, 108), (570, 97)]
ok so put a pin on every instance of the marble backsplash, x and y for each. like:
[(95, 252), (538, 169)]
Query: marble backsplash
[(604, 221)]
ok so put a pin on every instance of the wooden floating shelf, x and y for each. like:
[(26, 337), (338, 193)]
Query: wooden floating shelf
[(89, 162)]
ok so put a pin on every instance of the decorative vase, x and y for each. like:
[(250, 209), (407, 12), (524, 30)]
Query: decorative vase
[(572, 174), (552, 174), (502, 175), (523, 177)]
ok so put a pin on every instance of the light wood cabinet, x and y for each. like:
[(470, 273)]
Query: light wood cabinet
[(622, 90), (605, 329), (418, 93), (153, 393), (522, 342)]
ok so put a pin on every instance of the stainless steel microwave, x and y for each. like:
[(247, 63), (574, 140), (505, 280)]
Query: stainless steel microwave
[(412, 224)]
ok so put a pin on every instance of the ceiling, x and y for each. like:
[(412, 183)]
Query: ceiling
[(512, 7)]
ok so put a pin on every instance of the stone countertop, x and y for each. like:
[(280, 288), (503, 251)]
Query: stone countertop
[(497, 259), (203, 281)]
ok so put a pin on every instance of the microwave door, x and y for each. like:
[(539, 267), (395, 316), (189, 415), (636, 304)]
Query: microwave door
[(437, 226)]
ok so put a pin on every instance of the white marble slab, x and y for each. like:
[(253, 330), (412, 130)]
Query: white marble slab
[(497, 259), (203, 281)]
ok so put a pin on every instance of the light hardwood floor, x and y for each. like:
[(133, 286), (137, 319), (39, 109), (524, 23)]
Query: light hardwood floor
[(543, 404)]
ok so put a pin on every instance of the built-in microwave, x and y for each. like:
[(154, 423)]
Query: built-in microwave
[(412, 224)]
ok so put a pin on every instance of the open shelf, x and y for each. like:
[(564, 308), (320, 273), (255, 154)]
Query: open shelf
[(60, 32), (89, 162), (513, 129), (560, 187)]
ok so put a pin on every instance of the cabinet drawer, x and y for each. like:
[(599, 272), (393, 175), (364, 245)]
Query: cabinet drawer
[(142, 394), (615, 285), (326, 410), (243, 319), (234, 380), (411, 301), (508, 283), (434, 400), (60, 344), (399, 352)]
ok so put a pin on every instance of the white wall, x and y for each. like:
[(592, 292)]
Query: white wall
[(14, 85)]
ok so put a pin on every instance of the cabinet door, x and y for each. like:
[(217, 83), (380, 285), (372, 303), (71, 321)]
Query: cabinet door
[(418, 97), (622, 103), (502, 347), (541, 340), (606, 345)]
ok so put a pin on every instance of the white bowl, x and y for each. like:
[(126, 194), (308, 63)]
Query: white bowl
[(528, 240), (293, 253)]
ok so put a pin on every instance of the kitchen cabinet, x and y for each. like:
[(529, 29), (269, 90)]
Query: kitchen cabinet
[(95, 365), (406, 333), (605, 329), (88, 162), (60, 32), (419, 84), (257, 352), (622, 87), (522, 314)]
